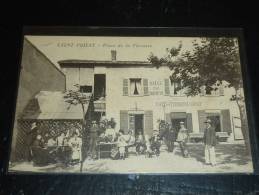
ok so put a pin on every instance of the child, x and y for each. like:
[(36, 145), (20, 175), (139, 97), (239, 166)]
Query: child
[(155, 143), (122, 143)]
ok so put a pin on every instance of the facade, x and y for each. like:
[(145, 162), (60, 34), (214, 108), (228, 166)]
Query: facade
[(138, 95)]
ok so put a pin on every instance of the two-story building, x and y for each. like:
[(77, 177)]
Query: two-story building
[(137, 95)]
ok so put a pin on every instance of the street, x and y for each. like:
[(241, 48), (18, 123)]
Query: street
[(231, 158)]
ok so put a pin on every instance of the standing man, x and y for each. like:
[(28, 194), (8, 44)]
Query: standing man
[(210, 143), (93, 139), (110, 133), (171, 138), (31, 137), (182, 138)]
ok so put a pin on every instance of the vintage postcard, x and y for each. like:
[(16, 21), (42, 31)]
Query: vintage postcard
[(156, 105)]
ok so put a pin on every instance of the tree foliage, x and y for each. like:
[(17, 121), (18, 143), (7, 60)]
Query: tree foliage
[(74, 98), (212, 61)]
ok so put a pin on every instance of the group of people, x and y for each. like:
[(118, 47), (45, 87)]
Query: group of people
[(122, 141), (64, 147), (182, 137), (171, 135), (70, 144)]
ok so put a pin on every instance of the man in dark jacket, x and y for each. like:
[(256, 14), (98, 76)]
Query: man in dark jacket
[(171, 138), (31, 137), (93, 139), (210, 143)]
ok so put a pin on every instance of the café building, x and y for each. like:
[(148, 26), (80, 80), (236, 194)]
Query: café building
[(137, 95)]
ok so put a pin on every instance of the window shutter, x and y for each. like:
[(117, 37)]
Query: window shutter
[(124, 120), (226, 123), (189, 122), (167, 87), (202, 118), (203, 90), (145, 86), (125, 87), (221, 90), (148, 116)]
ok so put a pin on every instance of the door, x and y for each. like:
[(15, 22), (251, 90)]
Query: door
[(99, 86), (139, 123), (215, 120), (176, 123)]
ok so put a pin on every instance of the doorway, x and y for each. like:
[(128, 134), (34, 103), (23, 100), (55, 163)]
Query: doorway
[(139, 125), (176, 123), (99, 86), (136, 123), (215, 120)]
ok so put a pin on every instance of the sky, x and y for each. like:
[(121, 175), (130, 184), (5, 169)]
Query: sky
[(99, 48)]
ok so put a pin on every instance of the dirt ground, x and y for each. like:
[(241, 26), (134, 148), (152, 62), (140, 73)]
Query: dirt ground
[(231, 158)]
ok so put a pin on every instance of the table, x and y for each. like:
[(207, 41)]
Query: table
[(105, 149)]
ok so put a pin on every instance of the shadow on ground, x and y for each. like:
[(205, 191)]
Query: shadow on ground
[(225, 153)]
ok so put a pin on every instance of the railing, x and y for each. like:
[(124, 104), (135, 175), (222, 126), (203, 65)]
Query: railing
[(99, 105)]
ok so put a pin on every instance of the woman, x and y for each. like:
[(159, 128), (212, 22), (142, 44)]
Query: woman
[(75, 143)]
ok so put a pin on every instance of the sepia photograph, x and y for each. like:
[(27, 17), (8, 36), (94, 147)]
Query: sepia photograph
[(138, 105)]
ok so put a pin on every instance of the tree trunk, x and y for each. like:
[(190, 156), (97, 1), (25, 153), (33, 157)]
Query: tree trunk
[(244, 126), (83, 128), (243, 119)]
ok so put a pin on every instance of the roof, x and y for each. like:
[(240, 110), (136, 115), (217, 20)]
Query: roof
[(42, 54), (47, 105), (103, 62)]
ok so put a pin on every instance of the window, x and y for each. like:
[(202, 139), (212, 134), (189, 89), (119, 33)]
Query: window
[(135, 87), (86, 88), (212, 90), (208, 90), (175, 88)]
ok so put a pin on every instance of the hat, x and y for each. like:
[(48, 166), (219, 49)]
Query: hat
[(181, 122), (208, 121), (155, 132), (33, 125)]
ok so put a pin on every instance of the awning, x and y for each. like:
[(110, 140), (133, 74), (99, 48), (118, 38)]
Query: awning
[(47, 105)]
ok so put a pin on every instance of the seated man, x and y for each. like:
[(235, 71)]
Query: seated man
[(110, 133), (40, 154), (51, 142), (140, 143), (155, 143), (130, 140)]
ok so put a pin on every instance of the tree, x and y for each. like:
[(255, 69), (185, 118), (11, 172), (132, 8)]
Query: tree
[(74, 98), (212, 62)]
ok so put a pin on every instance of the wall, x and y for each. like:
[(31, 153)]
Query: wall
[(77, 75), (160, 104), (37, 73)]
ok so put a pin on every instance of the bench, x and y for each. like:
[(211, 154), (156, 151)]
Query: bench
[(198, 137), (195, 137), (222, 136)]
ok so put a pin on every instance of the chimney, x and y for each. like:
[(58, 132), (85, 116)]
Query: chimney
[(113, 54)]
